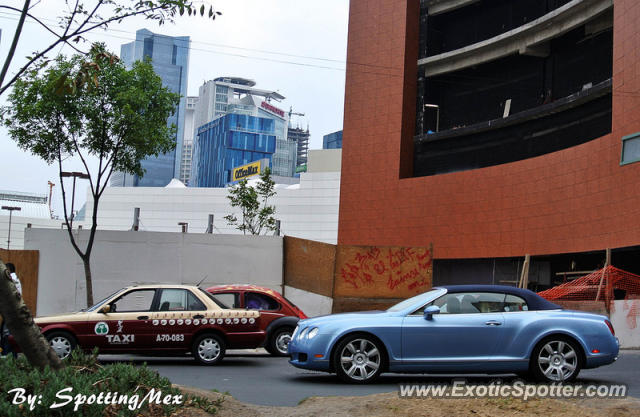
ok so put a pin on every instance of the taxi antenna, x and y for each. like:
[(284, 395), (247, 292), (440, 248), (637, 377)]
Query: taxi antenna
[(202, 280)]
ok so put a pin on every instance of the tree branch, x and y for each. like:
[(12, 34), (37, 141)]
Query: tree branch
[(14, 42), (64, 205)]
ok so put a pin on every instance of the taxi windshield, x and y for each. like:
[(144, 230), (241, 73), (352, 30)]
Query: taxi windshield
[(101, 302)]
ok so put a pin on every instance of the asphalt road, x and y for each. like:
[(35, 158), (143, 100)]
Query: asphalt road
[(258, 378)]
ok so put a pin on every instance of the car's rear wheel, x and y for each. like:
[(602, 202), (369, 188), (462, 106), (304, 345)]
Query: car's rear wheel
[(358, 359), (279, 341), (62, 343), (208, 349), (556, 359)]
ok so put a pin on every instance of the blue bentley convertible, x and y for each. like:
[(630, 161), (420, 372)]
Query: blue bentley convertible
[(458, 329)]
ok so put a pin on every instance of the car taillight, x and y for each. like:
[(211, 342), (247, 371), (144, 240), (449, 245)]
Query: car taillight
[(610, 326)]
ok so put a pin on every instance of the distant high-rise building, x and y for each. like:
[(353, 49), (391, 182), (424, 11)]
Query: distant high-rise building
[(233, 95), (170, 59), (332, 140), (187, 141), (228, 142), (301, 137)]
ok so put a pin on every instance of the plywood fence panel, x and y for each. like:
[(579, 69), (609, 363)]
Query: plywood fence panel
[(382, 272), (27, 263)]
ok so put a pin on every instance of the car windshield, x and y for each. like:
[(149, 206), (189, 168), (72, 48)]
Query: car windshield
[(215, 300), (413, 300), (101, 302)]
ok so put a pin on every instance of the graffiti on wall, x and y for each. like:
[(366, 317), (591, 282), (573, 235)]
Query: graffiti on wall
[(384, 272)]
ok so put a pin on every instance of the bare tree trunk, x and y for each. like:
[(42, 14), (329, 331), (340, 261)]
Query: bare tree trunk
[(87, 277), (19, 321)]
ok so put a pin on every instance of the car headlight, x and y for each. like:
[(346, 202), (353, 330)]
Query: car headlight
[(295, 331), (312, 333), (303, 333)]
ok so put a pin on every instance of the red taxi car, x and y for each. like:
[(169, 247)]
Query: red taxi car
[(278, 316), (161, 319)]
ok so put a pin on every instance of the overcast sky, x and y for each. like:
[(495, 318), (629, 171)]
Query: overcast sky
[(297, 47)]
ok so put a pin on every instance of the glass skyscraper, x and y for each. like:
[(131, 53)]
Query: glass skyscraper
[(170, 59), (235, 95), (332, 140), (228, 142)]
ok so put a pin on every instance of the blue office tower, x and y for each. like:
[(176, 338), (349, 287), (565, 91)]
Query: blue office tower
[(228, 142), (332, 140), (170, 59)]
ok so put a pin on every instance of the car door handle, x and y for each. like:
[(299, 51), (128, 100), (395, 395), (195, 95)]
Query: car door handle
[(493, 323), (143, 317), (198, 316)]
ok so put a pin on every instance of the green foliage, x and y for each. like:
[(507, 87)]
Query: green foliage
[(92, 105), (257, 215), (86, 377)]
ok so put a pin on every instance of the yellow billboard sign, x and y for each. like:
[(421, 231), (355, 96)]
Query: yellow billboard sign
[(246, 171)]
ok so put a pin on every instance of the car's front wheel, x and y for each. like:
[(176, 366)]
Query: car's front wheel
[(279, 342), (358, 359), (62, 343), (556, 359), (208, 349)]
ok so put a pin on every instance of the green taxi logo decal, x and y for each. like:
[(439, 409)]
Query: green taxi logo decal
[(101, 328)]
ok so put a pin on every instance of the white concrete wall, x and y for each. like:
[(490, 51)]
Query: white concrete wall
[(625, 317), (308, 211), (125, 258), (311, 303), (18, 226), (324, 160)]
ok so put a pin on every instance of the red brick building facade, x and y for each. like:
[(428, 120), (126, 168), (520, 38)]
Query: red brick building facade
[(574, 200)]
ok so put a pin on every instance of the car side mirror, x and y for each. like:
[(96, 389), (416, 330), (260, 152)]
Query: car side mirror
[(105, 309), (430, 311)]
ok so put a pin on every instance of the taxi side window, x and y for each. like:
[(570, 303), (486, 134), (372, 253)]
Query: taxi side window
[(179, 300), (137, 300), (229, 299)]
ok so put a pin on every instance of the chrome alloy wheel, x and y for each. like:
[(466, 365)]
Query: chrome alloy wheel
[(61, 346), (208, 349), (557, 360), (360, 359), (282, 342)]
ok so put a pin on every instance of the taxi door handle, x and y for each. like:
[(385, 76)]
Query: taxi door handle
[(493, 323), (143, 317), (198, 316)]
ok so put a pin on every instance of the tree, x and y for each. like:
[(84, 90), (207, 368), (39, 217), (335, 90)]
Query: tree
[(21, 325), (252, 201), (77, 18), (92, 105)]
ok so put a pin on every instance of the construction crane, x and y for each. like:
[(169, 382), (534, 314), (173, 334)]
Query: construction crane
[(292, 113)]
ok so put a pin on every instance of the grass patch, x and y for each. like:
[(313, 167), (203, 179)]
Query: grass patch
[(91, 389)]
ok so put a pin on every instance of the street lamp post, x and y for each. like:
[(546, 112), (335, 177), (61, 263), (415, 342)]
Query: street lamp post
[(11, 209), (73, 194)]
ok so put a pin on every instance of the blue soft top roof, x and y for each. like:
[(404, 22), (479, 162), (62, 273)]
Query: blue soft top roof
[(534, 301)]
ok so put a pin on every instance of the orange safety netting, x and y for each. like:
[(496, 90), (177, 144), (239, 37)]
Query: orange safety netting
[(604, 285)]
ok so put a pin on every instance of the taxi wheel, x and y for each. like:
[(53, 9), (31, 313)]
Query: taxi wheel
[(279, 342), (62, 343), (208, 349)]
